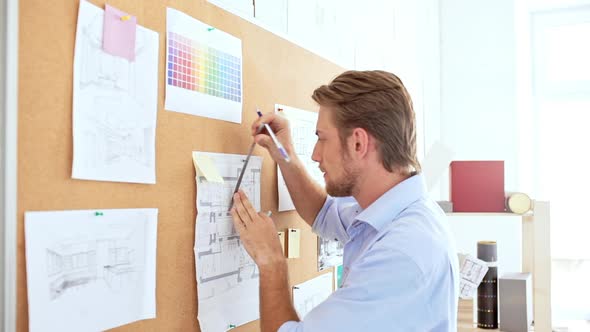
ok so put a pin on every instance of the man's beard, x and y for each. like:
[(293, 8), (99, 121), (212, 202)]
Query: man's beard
[(345, 186)]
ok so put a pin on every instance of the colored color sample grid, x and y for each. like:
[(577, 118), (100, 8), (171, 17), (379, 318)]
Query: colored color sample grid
[(197, 67)]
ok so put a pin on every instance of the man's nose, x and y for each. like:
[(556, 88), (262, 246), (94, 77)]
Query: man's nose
[(315, 156)]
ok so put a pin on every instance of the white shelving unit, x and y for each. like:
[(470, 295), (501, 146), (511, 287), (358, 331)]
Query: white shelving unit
[(536, 259)]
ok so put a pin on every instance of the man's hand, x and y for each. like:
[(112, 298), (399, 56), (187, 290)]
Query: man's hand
[(257, 232), (280, 126)]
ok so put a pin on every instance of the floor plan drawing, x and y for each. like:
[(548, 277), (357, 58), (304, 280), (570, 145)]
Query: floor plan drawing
[(114, 105), (472, 272), (303, 127), (90, 270), (227, 278)]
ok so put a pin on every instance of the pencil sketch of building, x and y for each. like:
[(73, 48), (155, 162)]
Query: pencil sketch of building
[(113, 81), (114, 107), (104, 70), (72, 264), (113, 138)]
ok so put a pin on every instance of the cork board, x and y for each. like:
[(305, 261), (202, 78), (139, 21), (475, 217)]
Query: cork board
[(274, 71)]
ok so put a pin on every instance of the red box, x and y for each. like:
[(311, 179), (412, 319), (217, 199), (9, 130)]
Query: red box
[(477, 186)]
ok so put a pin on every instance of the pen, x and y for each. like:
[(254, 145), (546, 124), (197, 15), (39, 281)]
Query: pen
[(274, 139)]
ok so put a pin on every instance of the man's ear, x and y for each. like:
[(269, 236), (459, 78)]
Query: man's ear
[(360, 142)]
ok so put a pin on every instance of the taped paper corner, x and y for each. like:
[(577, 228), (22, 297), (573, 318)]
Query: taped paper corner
[(204, 166)]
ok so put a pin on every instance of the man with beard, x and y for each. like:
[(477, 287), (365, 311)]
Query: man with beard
[(400, 264)]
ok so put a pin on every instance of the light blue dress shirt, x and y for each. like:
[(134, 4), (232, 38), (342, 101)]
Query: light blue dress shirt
[(401, 268)]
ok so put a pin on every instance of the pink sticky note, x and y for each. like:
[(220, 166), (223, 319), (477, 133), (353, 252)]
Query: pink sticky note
[(119, 33)]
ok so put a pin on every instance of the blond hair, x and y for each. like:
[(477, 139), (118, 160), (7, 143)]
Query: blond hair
[(377, 102)]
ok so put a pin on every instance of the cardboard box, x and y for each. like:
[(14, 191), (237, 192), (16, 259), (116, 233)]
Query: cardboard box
[(477, 186)]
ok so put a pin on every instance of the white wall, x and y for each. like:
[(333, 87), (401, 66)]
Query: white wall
[(457, 58), (404, 37), (478, 89), (273, 13), (429, 48), (395, 35)]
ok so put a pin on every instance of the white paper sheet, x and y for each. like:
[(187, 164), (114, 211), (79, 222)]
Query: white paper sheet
[(330, 253), (203, 69), (115, 105), (472, 272), (309, 294), (303, 126), (88, 272), (227, 278)]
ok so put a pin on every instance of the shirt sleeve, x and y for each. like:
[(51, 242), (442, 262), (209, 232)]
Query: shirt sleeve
[(290, 326), (384, 291), (334, 216)]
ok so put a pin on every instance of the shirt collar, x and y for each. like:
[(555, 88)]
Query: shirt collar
[(392, 202)]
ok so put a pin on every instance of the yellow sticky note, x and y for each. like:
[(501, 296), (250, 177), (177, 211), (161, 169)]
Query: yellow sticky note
[(293, 242), (204, 165)]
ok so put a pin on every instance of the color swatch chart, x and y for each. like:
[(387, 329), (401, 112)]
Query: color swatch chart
[(197, 67)]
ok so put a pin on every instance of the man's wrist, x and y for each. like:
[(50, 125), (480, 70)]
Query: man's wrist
[(272, 265), (290, 152), (293, 163)]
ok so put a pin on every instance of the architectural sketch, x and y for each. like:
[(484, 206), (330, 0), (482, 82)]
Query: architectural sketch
[(112, 139), (224, 268), (304, 139), (221, 257), (472, 272), (73, 264), (311, 293), (330, 253), (102, 69), (115, 105), (303, 127), (90, 270)]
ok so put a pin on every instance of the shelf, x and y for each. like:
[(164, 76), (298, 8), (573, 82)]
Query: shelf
[(487, 214)]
